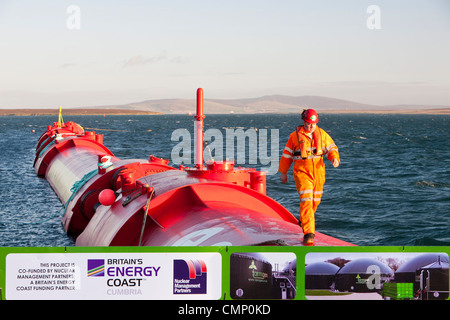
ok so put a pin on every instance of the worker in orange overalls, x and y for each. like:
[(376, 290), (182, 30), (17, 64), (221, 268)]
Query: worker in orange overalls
[(306, 147)]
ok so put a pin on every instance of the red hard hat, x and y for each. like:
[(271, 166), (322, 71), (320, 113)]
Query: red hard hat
[(310, 115)]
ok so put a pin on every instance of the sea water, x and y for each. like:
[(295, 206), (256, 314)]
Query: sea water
[(392, 188)]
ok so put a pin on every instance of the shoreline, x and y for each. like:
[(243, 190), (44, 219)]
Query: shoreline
[(437, 111), (100, 111)]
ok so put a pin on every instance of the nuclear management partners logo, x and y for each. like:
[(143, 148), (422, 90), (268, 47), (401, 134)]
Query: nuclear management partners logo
[(189, 277)]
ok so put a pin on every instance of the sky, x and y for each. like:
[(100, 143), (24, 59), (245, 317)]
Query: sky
[(92, 53)]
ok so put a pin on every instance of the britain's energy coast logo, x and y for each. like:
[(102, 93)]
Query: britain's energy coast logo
[(122, 276), (189, 277)]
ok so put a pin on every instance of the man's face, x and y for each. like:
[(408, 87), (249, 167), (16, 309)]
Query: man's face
[(309, 127)]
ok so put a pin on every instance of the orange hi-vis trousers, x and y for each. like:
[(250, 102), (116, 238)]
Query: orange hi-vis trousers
[(308, 171), (310, 192)]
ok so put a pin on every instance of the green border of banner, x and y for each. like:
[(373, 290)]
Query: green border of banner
[(225, 251)]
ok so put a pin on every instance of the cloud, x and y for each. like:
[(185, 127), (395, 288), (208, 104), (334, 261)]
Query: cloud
[(67, 65), (180, 59), (373, 83), (140, 60)]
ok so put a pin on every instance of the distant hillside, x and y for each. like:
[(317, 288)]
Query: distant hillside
[(266, 104)]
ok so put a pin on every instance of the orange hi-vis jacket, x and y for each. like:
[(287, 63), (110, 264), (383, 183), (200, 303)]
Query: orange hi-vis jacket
[(306, 151), (302, 148)]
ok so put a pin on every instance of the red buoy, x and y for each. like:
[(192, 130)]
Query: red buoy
[(107, 197)]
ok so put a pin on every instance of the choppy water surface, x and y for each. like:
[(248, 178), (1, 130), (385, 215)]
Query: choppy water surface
[(392, 188)]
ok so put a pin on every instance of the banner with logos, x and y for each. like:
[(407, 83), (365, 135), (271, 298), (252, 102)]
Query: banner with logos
[(225, 273)]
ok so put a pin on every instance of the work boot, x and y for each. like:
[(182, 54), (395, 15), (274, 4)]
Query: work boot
[(308, 239)]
